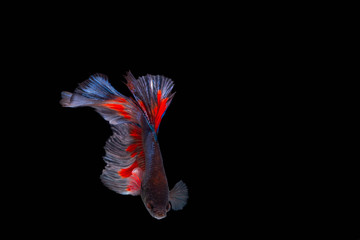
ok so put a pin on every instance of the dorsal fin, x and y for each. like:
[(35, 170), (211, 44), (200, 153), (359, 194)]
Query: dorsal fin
[(153, 95)]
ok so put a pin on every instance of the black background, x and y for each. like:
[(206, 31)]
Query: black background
[(238, 131), (199, 134), (184, 142), (66, 196)]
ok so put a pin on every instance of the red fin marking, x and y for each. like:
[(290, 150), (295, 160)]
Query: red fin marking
[(142, 105), (118, 107), (136, 133), (159, 109), (126, 172), (136, 147), (133, 186), (132, 147), (120, 99), (158, 96), (135, 182)]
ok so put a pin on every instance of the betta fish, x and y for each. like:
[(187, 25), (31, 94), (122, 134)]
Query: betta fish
[(134, 165)]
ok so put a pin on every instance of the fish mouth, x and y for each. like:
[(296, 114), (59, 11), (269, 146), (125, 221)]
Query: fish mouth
[(159, 215)]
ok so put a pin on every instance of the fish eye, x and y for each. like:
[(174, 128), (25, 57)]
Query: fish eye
[(149, 206), (168, 207)]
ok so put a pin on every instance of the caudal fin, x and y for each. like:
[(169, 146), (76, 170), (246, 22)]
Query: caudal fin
[(124, 150), (153, 94)]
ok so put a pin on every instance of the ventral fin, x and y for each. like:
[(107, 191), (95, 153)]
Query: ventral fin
[(178, 196)]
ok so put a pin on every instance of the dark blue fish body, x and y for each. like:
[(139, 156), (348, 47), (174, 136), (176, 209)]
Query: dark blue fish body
[(134, 164), (155, 189)]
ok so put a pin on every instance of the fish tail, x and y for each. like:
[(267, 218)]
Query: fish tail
[(98, 93), (124, 157), (153, 95), (96, 88)]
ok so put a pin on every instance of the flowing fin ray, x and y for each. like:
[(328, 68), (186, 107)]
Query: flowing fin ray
[(153, 95), (124, 147)]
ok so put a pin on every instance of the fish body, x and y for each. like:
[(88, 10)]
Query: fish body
[(134, 164)]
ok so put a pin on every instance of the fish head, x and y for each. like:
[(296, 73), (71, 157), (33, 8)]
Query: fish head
[(156, 210), (157, 204)]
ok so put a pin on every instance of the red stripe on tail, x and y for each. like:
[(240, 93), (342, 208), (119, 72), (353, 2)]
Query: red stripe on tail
[(118, 106)]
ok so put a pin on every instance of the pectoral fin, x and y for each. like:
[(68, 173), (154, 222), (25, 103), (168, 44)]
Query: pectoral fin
[(178, 196)]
